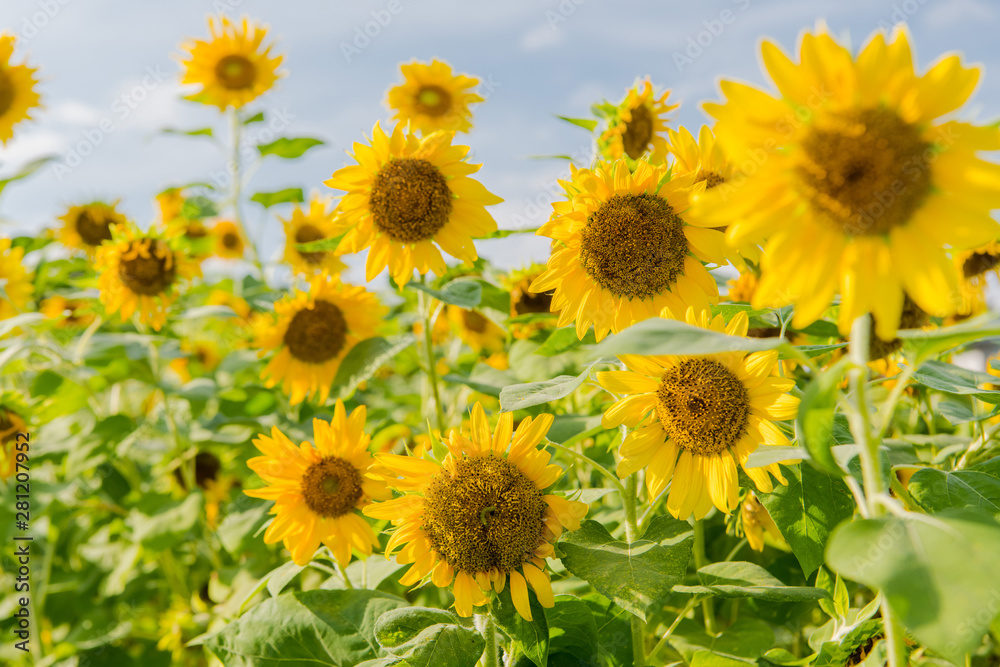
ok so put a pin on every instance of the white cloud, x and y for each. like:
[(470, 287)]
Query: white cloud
[(540, 37), (74, 112), (29, 145)]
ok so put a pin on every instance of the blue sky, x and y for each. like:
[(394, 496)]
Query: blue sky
[(539, 57)]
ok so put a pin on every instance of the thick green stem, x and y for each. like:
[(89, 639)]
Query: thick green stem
[(860, 418), (488, 628), (237, 137), (700, 561), (425, 309), (630, 499), (895, 637)]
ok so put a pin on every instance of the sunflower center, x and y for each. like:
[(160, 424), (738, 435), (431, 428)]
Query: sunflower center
[(148, 275), (317, 334), (912, 317), (7, 92), (703, 406), (433, 101), (195, 230), (634, 246), (10, 426), (331, 487), (979, 263), (638, 132), (235, 72), (473, 321), (410, 200), (93, 229), (308, 234), (487, 515), (711, 178), (866, 172), (525, 301), (230, 240)]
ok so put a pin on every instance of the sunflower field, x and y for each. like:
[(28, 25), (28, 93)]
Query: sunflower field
[(743, 414)]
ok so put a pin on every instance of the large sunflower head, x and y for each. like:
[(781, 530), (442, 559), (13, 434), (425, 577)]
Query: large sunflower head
[(14, 279), (410, 198), (849, 174), (141, 272), (234, 66), (17, 89), (307, 224), (312, 333), (431, 98), (86, 226), (694, 418), (318, 487), (229, 241), (636, 125), (624, 249), (481, 515)]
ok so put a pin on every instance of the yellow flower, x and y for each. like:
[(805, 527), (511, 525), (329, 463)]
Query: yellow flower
[(229, 241), (431, 98), (315, 223), (481, 515), (17, 89), (524, 301), (169, 204), (742, 288), (220, 297), (11, 423), (68, 313), (202, 356), (624, 250), (233, 67), (408, 194), (636, 126), (313, 333), (852, 178), (87, 226), (318, 488), (14, 279), (693, 418), (975, 266), (756, 522), (476, 330), (141, 272)]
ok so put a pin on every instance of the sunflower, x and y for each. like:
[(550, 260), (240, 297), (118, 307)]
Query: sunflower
[(14, 280), (481, 515), (476, 330), (234, 67), (312, 334), (315, 223), (623, 251), (408, 194), (525, 302), (221, 297), (170, 204), (431, 98), (851, 178), (976, 265), (694, 417), (229, 241), (141, 272), (87, 226), (200, 358), (215, 486), (757, 522), (17, 89), (742, 288), (68, 313), (636, 125), (317, 488), (11, 423)]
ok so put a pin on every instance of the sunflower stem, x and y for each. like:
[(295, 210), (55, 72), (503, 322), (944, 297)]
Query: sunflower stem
[(860, 418), (629, 500), (237, 136), (700, 561), (432, 376), (895, 636), (488, 628)]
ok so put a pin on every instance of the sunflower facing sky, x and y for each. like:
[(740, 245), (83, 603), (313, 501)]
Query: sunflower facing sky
[(139, 272), (14, 279), (229, 241), (234, 66), (624, 250), (636, 125), (851, 195), (408, 199), (87, 226), (481, 515), (17, 89), (431, 98), (312, 333), (694, 418), (307, 224), (318, 487)]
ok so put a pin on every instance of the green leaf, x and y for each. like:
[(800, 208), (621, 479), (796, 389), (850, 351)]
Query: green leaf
[(739, 644), (586, 123), (198, 207), (518, 396), (462, 292), (504, 233), (398, 626), (807, 511), (256, 118), (573, 629), (286, 196), (317, 627), (929, 344), (739, 579), (322, 245), (22, 320), (164, 527), (953, 379), (27, 170), (661, 336), (206, 311), (635, 575), (814, 423), (563, 340), (440, 645), (940, 573), (288, 148), (202, 132), (936, 490), (367, 357), (530, 638)]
